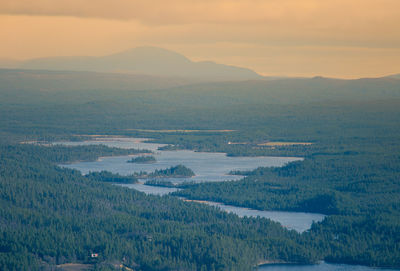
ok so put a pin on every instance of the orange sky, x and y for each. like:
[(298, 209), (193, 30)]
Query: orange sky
[(337, 38)]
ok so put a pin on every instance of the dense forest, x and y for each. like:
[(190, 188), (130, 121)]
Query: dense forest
[(361, 195), (52, 216), (350, 172)]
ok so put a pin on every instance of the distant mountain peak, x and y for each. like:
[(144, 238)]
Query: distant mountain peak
[(147, 60)]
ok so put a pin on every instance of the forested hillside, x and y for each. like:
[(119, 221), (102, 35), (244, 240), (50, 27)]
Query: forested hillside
[(351, 172), (53, 216)]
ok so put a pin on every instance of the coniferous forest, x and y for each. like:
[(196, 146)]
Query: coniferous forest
[(351, 172)]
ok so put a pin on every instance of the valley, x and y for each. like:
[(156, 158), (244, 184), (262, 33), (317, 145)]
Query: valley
[(349, 174)]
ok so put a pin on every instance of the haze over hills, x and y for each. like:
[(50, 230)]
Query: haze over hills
[(142, 60), (16, 85), (7, 63), (146, 60), (53, 81), (395, 76)]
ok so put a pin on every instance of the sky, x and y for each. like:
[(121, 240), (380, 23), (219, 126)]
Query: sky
[(333, 38)]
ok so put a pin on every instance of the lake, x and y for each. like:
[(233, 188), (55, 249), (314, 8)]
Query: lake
[(208, 167)]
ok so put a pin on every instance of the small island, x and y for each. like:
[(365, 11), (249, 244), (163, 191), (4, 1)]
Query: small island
[(169, 184), (179, 171), (145, 159)]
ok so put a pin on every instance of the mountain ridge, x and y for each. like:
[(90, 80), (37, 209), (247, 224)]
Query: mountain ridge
[(144, 60)]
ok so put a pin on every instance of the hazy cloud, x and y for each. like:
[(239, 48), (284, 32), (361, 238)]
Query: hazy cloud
[(229, 31), (375, 21), (340, 12)]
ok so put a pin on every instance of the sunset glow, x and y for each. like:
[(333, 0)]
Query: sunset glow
[(336, 38)]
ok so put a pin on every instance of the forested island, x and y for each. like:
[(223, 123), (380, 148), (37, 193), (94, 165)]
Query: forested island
[(179, 171), (145, 159)]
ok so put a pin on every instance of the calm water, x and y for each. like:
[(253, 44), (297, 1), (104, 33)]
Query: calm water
[(297, 221), (152, 190), (208, 167), (319, 267)]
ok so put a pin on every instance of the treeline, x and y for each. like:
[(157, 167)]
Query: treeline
[(67, 154)]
